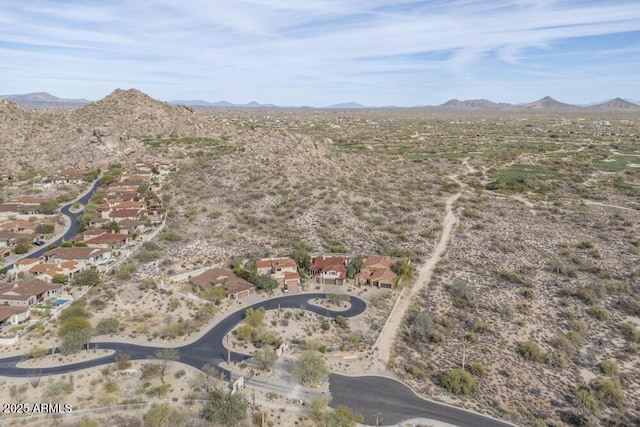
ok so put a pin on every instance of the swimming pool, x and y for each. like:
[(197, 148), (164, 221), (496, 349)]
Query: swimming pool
[(61, 301)]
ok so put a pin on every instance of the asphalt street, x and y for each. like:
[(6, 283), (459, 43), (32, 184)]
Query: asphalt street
[(73, 218), (209, 349), (389, 402)]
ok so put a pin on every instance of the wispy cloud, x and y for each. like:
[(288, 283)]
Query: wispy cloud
[(319, 51)]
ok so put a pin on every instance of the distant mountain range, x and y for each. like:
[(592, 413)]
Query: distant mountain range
[(44, 99)]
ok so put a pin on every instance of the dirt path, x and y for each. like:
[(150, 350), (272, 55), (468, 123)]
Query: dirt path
[(589, 202), (424, 277)]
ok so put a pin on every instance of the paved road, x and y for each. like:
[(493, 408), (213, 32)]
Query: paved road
[(73, 218), (395, 402), (209, 349)]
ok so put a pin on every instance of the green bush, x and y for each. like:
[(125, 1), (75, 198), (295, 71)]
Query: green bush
[(476, 369), (608, 391), (530, 350), (458, 381)]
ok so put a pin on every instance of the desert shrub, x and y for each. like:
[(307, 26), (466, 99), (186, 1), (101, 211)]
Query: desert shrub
[(463, 294), (110, 386), (630, 332), (609, 367), (587, 296), (309, 368), (608, 391), (416, 371), (341, 321), (107, 326), (557, 358), (244, 332), (598, 312), (254, 318), (568, 343), (530, 350), (476, 369), (458, 381)]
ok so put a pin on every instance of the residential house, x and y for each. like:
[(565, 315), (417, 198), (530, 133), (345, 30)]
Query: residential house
[(20, 226), (234, 286), (109, 241), (25, 264), (27, 294), (131, 226), (98, 222), (11, 315), (377, 271), (9, 238), (329, 270), (131, 204), (8, 210), (22, 200), (122, 214), (86, 255), (88, 234), (284, 270), (69, 176), (46, 272)]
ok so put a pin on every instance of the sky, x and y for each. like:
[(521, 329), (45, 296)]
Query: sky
[(323, 52)]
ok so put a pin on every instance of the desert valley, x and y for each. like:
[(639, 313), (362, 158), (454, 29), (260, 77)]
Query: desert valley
[(486, 255)]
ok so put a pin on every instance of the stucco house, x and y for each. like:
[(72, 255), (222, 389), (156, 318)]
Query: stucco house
[(234, 286), (27, 294), (284, 270)]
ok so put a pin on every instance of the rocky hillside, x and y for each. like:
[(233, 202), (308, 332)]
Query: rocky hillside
[(280, 191), (101, 132)]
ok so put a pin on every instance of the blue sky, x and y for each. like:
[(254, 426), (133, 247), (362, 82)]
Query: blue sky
[(322, 52)]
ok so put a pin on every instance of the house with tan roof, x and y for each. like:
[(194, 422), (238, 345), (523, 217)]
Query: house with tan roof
[(329, 270), (284, 270), (377, 271), (86, 255), (131, 226), (25, 264), (234, 286), (19, 226), (27, 294), (11, 315), (122, 214), (69, 176), (109, 241), (9, 238), (46, 271)]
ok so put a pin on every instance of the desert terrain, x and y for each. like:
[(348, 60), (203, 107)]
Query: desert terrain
[(534, 292)]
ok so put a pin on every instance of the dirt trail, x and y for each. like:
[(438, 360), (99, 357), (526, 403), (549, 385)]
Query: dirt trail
[(589, 202), (388, 334)]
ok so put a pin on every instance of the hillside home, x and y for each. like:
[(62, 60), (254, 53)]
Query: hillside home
[(27, 294), (109, 241), (19, 226), (377, 271), (10, 315), (86, 255), (122, 214), (9, 238), (234, 286), (69, 176), (46, 272), (131, 226), (25, 264), (329, 270), (284, 270)]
